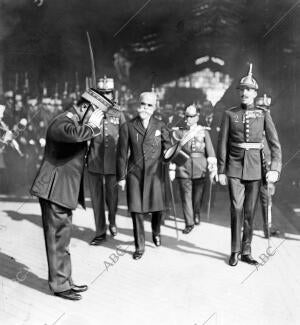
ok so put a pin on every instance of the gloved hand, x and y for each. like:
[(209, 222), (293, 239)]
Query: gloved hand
[(8, 136), (122, 183), (272, 176), (213, 175), (172, 175), (223, 179), (96, 118)]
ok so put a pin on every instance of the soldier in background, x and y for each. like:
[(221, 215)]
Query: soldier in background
[(267, 190), (191, 175), (240, 163), (101, 166)]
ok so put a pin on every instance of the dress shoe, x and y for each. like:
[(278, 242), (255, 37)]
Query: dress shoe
[(156, 240), (234, 259), (113, 230), (187, 229), (98, 240), (81, 288), (68, 294), (137, 255), (197, 220), (249, 259), (275, 233)]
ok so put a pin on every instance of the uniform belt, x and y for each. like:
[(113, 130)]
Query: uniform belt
[(248, 145), (196, 154)]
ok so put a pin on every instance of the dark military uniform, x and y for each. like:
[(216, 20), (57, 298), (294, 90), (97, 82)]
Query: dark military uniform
[(102, 161), (191, 175), (59, 186), (143, 172), (239, 157)]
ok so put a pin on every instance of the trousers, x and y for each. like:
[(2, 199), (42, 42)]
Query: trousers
[(57, 225), (139, 231), (191, 195), (100, 196), (243, 202)]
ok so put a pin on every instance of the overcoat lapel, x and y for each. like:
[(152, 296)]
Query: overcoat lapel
[(137, 124)]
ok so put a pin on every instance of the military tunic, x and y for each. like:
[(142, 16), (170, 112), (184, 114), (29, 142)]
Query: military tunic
[(242, 125)]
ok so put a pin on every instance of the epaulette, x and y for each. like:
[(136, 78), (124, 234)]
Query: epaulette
[(72, 117)]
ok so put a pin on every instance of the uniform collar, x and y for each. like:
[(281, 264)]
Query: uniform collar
[(248, 107)]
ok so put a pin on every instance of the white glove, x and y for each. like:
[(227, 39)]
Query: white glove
[(96, 118), (122, 183), (214, 175), (272, 176), (8, 136), (223, 179), (172, 175)]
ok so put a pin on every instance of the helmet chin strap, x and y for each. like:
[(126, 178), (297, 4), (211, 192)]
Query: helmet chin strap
[(83, 118)]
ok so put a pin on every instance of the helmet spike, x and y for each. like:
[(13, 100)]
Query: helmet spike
[(248, 81), (250, 70)]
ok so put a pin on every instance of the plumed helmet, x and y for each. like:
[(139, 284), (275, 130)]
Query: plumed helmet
[(248, 81)]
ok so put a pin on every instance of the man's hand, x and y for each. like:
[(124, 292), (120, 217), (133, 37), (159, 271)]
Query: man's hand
[(96, 118), (122, 183), (272, 176), (8, 136), (213, 175), (223, 179)]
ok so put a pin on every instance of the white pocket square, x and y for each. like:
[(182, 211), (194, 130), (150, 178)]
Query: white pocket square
[(157, 133)]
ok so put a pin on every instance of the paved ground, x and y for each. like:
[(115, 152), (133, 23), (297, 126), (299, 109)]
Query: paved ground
[(184, 282)]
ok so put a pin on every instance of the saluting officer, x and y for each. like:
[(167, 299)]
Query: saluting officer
[(102, 162), (240, 163), (191, 175), (59, 185)]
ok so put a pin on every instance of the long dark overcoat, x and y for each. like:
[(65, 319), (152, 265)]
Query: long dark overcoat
[(140, 163)]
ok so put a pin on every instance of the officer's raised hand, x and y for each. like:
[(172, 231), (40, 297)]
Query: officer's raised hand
[(223, 179), (96, 118)]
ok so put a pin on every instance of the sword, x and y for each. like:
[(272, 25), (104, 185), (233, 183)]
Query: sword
[(94, 83), (174, 209), (269, 212), (209, 199)]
